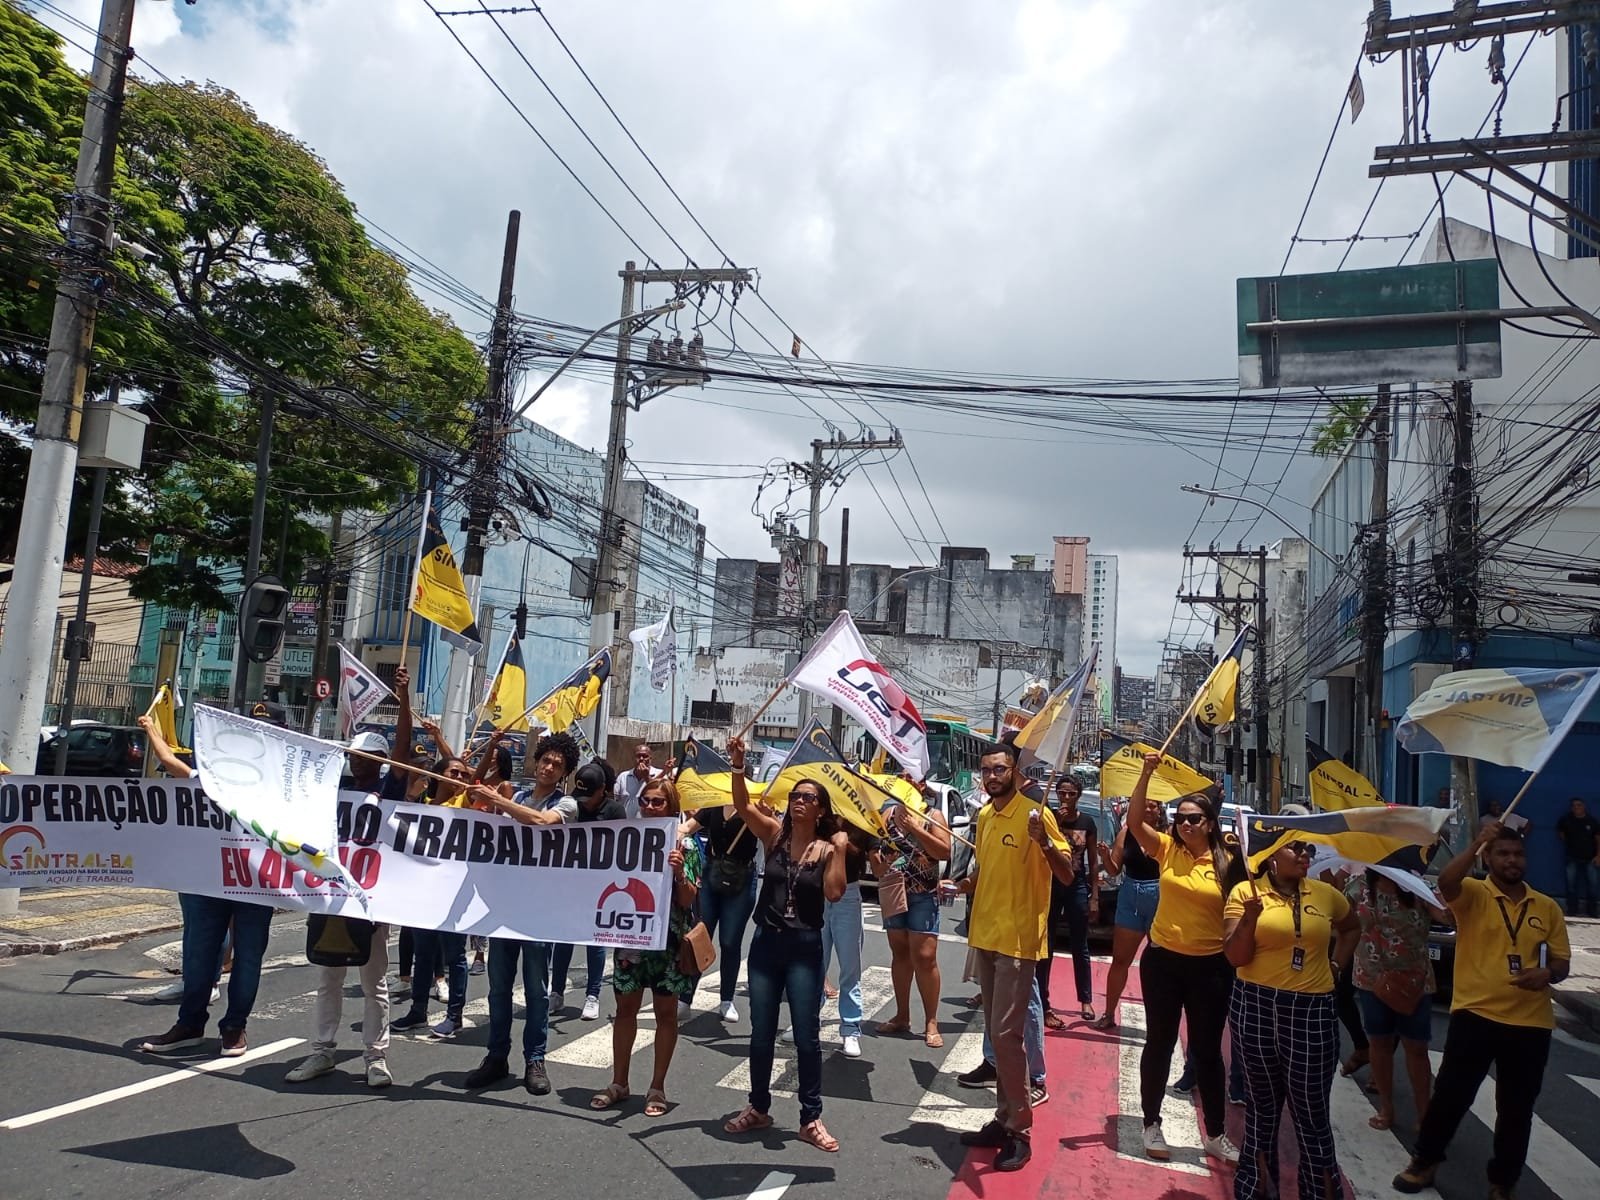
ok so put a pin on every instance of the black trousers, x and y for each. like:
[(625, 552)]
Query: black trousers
[(1518, 1054), (1178, 986), (1344, 990)]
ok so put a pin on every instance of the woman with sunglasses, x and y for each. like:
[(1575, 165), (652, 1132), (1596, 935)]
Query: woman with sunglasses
[(805, 868), (1278, 933), (437, 951), (633, 972), (1136, 906), (1183, 973)]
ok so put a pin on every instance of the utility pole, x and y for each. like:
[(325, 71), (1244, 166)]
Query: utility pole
[(325, 583), (1461, 563), (817, 475), (1374, 592), (1261, 701), (247, 673), (842, 598), (47, 502), (490, 428), (613, 553)]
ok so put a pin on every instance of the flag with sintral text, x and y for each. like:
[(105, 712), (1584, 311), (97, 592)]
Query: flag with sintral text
[(1048, 735), (1217, 703), (440, 592), (506, 707), (1334, 786), (1399, 836), (815, 759), (360, 691), (1514, 716), (1120, 772), (841, 669), (280, 785)]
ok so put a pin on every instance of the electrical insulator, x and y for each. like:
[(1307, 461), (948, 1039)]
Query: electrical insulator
[(697, 350), (675, 349), (1465, 10), (657, 352), (1497, 59)]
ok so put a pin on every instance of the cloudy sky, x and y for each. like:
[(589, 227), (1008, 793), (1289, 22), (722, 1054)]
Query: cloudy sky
[(1046, 187)]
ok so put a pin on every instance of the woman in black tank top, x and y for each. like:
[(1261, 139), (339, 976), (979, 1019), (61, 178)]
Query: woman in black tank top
[(1136, 901), (805, 867)]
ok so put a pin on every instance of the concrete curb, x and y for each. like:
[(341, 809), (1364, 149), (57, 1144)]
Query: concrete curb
[(68, 945), (1583, 1007)]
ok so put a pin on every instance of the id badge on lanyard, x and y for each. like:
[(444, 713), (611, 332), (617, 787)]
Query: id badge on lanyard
[(1297, 960), (1513, 958)]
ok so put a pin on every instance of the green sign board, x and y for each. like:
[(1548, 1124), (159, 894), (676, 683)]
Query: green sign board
[(1418, 324)]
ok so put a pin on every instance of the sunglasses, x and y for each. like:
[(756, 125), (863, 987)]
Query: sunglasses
[(653, 802), (457, 773), (1190, 818), (1298, 848), (1006, 770), (810, 797)]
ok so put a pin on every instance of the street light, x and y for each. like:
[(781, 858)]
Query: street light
[(1194, 489), (641, 317)]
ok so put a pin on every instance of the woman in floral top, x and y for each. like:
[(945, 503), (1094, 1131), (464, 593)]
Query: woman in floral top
[(1393, 947), (634, 971)]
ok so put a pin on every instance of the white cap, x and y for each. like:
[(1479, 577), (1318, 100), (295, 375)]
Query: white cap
[(372, 743)]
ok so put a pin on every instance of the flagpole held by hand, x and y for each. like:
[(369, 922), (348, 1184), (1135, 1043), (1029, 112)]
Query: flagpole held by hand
[(765, 704), (1521, 792)]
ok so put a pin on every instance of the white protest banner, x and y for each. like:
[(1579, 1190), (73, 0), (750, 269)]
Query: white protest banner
[(281, 785), (360, 691), (658, 643), (841, 669), (604, 883)]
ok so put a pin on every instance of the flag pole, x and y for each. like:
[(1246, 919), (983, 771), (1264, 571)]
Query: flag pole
[(1521, 792), (1188, 711), (765, 704)]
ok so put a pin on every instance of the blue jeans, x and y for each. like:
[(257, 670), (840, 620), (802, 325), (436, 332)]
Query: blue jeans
[(437, 951), (594, 963), (786, 964), (1032, 1039), (726, 917), (503, 955), (842, 935), (205, 928), (1582, 877)]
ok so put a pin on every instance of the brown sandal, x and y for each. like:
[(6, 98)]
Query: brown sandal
[(816, 1134), (655, 1103), (1052, 1020), (614, 1095), (747, 1120)]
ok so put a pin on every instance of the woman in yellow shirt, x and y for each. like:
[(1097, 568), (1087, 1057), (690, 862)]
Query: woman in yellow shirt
[(1182, 972), (1278, 933)]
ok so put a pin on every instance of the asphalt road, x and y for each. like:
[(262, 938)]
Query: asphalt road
[(83, 1113)]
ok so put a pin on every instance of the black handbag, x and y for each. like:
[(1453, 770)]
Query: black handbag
[(726, 876), (338, 941)]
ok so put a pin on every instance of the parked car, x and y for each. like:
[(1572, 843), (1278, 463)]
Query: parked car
[(96, 749)]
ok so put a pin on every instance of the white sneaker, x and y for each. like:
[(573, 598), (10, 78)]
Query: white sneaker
[(1221, 1147), (378, 1074), (445, 1029), (788, 1036), (591, 1008), (729, 1012), (852, 1046), (216, 994), (557, 1002), (441, 991), (319, 1063), (1155, 1145)]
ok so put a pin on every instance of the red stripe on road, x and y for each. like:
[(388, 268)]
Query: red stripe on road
[(1075, 1134)]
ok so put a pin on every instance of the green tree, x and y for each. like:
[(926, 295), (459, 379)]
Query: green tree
[(1343, 420), (260, 274)]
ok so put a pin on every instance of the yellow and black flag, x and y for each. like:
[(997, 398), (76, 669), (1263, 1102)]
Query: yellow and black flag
[(1403, 836), (1217, 703), (163, 713), (440, 593), (1173, 779), (705, 778), (815, 759), (1334, 786), (508, 694), (576, 696)]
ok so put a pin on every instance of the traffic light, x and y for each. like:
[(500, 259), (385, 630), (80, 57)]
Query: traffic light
[(261, 612)]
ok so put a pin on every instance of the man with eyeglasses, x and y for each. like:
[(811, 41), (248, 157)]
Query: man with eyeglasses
[(1019, 850), (554, 758)]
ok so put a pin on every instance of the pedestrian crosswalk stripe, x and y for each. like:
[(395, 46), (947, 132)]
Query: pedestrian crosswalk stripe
[(1179, 1124), (945, 1103)]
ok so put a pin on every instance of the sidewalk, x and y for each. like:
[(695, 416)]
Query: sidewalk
[(1579, 997), (59, 920)]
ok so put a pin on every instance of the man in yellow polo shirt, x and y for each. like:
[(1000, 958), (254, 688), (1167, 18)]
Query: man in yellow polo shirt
[(1019, 847), (1511, 945)]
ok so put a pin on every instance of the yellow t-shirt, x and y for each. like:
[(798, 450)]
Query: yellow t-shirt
[(1321, 904), (1011, 906), (1483, 944), (1189, 913)]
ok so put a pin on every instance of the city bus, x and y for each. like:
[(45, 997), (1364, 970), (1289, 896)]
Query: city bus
[(953, 752)]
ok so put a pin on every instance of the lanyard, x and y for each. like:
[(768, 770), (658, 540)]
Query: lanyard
[(1296, 907), (1522, 915)]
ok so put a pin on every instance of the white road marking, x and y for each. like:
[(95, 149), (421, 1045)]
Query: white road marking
[(1584, 1081), (1179, 1122), (184, 1071), (773, 1186), (144, 993), (1369, 1157), (946, 1104), (1560, 1164)]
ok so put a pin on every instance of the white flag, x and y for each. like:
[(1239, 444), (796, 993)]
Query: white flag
[(658, 642), (280, 785), (360, 691), (1049, 734), (841, 669)]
